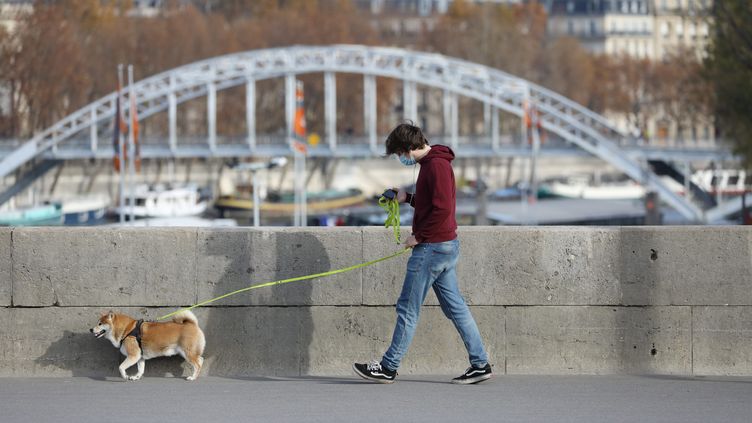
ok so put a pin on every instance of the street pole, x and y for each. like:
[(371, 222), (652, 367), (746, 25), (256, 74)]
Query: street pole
[(131, 149), (121, 145), (256, 205)]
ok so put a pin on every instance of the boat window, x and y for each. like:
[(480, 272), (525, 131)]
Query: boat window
[(140, 201), (733, 180)]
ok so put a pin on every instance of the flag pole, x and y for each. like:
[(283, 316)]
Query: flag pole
[(131, 149), (121, 154)]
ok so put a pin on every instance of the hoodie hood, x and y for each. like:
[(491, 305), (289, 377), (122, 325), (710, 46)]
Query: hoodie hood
[(438, 151)]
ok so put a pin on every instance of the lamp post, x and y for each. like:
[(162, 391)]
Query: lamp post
[(254, 168)]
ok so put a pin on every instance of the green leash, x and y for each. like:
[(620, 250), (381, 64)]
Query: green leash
[(392, 211), (391, 207)]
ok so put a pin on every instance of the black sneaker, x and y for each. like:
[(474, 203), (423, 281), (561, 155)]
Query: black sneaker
[(474, 375), (374, 372)]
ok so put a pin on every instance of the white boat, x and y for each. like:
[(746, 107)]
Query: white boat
[(728, 181), (83, 210), (164, 201), (587, 187)]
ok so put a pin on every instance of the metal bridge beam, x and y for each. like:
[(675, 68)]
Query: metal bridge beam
[(250, 112)]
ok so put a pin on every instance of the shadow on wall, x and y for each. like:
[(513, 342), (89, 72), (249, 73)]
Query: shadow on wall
[(262, 339), (240, 341), (81, 354)]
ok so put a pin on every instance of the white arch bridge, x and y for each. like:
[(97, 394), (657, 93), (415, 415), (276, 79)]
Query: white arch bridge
[(77, 136)]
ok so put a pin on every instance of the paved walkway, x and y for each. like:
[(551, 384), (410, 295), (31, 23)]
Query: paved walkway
[(348, 399)]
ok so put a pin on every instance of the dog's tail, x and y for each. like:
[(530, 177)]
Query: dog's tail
[(185, 317)]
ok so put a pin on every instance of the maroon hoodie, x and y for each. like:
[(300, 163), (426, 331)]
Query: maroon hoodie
[(435, 197)]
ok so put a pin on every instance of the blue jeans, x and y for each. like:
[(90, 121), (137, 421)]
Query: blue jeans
[(433, 265)]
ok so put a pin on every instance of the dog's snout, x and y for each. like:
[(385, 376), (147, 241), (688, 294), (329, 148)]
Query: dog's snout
[(91, 330)]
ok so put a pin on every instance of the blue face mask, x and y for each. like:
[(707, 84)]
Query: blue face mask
[(407, 161)]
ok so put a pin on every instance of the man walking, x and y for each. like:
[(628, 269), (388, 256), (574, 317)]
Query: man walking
[(433, 261)]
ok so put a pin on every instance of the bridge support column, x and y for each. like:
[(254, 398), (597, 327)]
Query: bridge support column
[(250, 112), (93, 129), (172, 116), (330, 109), (495, 129), (410, 101), (290, 105), (451, 118), (211, 114), (369, 109), (487, 119)]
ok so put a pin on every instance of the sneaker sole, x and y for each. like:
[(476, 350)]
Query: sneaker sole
[(472, 380), (372, 379)]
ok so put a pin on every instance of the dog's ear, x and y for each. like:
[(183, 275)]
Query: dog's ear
[(110, 315)]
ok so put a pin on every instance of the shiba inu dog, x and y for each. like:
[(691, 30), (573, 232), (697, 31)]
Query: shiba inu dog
[(139, 341)]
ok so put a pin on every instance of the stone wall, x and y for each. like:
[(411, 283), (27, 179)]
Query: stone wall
[(548, 300)]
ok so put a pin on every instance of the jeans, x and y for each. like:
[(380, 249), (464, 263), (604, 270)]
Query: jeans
[(433, 265)]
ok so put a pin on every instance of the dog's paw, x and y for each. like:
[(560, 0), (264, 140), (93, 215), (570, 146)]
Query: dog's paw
[(134, 377), (190, 378)]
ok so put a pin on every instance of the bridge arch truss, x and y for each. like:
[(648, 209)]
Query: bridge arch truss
[(498, 90)]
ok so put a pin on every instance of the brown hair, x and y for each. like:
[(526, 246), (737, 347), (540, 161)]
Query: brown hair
[(404, 138)]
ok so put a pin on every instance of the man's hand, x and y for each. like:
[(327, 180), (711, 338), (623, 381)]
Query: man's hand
[(401, 195), (411, 242)]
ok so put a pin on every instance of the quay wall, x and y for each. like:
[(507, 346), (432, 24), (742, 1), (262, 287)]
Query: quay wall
[(547, 300)]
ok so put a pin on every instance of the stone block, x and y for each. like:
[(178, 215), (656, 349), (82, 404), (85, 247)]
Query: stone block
[(686, 265), (598, 340), (104, 267), (720, 340), (6, 281)]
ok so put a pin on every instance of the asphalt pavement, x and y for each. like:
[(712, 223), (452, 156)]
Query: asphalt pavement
[(349, 399)]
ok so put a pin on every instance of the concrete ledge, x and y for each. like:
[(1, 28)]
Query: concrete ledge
[(6, 283)]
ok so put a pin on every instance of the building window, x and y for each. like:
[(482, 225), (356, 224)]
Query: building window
[(570, 6), (593, 28), (570, 27)]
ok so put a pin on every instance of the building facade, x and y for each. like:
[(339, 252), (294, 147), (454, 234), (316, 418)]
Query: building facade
[(650, 29)]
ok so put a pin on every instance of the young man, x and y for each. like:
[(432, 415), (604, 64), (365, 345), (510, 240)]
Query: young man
[(433, 260)]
